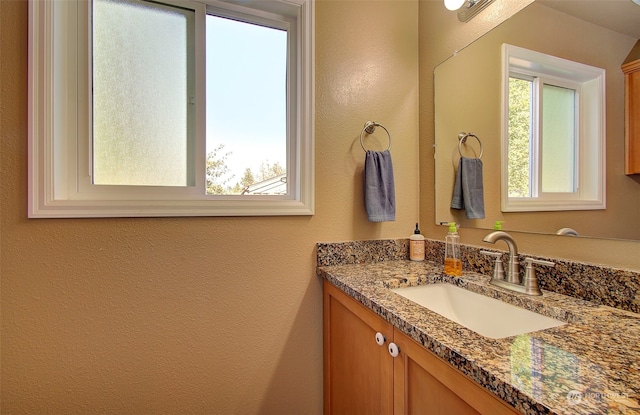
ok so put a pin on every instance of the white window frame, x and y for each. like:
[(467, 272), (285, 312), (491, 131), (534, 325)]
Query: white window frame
[(59, 125), (589, 83)]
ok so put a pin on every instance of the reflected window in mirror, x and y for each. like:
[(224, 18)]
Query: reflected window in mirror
[(553, 133), (541, 160)]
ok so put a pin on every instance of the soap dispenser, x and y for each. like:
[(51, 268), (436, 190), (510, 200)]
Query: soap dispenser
[(416, 246), (452, 259)]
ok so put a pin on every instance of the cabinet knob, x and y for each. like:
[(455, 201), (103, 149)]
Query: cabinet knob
[(394, 350), (380, 338)]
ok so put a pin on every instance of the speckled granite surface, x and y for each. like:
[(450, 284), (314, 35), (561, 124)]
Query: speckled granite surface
[(589, 366), (613, 287)]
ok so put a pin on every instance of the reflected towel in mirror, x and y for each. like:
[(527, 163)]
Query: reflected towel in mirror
[(468, 190), (379, 187)]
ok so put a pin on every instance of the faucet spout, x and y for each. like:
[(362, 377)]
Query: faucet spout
[(513, 266)]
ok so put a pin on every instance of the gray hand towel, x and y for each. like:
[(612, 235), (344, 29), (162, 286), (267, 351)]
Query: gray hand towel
[(379, 188), (468, 191)]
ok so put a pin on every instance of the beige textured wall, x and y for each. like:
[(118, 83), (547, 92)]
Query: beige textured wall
[(199, 315), (440, 35), (223, 315)]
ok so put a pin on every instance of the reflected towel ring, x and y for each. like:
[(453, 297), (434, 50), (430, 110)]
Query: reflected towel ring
[(369, 128), (462, 138)]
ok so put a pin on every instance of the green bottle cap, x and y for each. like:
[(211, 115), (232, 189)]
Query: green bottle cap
[(452, 227)]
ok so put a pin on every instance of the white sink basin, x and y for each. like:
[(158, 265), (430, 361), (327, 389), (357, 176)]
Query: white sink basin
[(485, 315)]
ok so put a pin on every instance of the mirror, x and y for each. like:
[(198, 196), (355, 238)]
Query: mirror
[(468, 99)]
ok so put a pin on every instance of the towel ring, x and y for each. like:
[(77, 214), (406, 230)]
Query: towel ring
[(462, 138), (369, 128)]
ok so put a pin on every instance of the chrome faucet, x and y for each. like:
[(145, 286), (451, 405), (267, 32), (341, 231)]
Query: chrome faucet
[(530, 284), (513, 266)]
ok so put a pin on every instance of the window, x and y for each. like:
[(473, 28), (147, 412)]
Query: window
[(553, 133), (141, 108), (143, 77)]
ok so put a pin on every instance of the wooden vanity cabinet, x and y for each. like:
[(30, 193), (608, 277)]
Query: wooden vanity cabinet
[(358, 373), (361, 377), (632, 116), (426, 384)]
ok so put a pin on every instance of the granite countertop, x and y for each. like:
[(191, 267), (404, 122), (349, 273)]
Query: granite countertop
[(589, 366)]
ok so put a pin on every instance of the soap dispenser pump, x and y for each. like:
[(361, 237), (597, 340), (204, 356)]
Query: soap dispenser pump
[(452, 259), (416, 246)]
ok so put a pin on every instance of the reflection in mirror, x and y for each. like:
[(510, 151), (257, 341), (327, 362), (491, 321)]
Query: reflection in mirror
[(553, 150), (468, 98)]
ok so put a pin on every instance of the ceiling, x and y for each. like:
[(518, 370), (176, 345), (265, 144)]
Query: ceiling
[(618, 15)]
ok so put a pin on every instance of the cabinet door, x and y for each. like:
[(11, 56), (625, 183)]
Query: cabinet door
[(632, 117), (425, 384), (358, 373)]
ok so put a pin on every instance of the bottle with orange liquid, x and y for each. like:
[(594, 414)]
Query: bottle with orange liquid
[(452, 259)]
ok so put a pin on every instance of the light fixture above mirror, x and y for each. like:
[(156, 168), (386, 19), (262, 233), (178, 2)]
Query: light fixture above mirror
[(467, 9), (453, 4)]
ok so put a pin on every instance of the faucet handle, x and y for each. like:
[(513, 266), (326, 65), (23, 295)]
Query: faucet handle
[(498, 268), (530, 278), (539, 261)]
